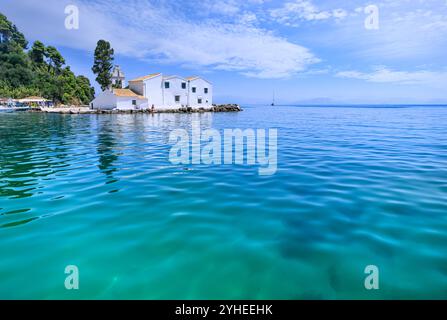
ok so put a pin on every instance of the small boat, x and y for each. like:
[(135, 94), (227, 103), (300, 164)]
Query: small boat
[(273, 100), (13, 109)]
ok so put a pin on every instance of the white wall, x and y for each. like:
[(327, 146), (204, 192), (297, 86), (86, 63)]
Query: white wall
[(156, 93), (105, 101), (175, 89), (153, 91), (125, 103), (200, 85), (108, 101)]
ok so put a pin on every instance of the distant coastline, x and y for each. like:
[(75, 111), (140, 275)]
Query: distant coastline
[(359, 105)]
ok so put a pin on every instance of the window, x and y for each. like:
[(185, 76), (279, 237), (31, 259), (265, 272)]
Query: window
[(199, 100), (134, 102), (166, 85), (193, 89), (205, 90), (183, 85), (177, 99)]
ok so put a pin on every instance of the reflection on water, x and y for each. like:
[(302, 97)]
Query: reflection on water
[(107, 149), (355, 186)]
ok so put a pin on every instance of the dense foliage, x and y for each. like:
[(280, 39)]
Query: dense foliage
[(38, 71), (103, 64)]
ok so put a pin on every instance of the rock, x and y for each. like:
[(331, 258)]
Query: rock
[(226, 108), (183, 109)]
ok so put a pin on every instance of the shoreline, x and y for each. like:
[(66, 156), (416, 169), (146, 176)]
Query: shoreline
[(88, 110)]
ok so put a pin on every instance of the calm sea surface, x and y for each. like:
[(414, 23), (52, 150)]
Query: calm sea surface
[(354, 187)]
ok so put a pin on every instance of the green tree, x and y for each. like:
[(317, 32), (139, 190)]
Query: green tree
[(118, 85), (15, 68), (103, 64), (37, 53), (10, 35), (19, 38), (47, 85), (86, 92), (37, 72), (16, 92), (5, 29), (55, 59)]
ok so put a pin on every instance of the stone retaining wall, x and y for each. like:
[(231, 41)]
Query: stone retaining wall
[(87, 110)]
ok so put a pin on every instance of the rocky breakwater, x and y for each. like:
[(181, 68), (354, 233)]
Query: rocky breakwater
[(214, 108), (87, 110), (226, 108)]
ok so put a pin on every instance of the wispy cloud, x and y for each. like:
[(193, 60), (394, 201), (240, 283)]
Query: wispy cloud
[(147, 30), (230, 7), (292, 13), (409, 30), (385, 75)]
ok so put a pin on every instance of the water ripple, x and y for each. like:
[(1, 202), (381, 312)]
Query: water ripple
[(355, 186)]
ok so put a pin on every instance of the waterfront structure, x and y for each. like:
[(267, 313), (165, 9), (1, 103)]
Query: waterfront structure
[(120, 99), (158, 91), (35, 101), (200, 92)]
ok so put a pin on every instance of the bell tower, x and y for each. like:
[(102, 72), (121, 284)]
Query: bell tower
[(118, 78)]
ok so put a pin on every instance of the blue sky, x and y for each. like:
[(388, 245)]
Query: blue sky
[(307, 51)]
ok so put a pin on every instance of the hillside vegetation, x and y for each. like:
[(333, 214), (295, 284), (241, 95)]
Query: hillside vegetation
[(37, 70)]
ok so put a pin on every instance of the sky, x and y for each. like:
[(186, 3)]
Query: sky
[(306, 51)]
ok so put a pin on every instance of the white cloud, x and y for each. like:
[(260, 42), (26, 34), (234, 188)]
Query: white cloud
[(228, 7), (339, 13), (385, 75), (292, 13), (409, 31), (248, 19), (158, 33)]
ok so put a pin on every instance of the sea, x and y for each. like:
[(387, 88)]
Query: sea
[(93, 207)]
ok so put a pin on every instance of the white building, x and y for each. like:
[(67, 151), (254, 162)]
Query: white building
[(162, 92), (118, 78), (121, 99), (200, 92)]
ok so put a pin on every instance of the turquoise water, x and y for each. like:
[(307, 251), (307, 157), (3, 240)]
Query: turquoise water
[(354, 187)]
